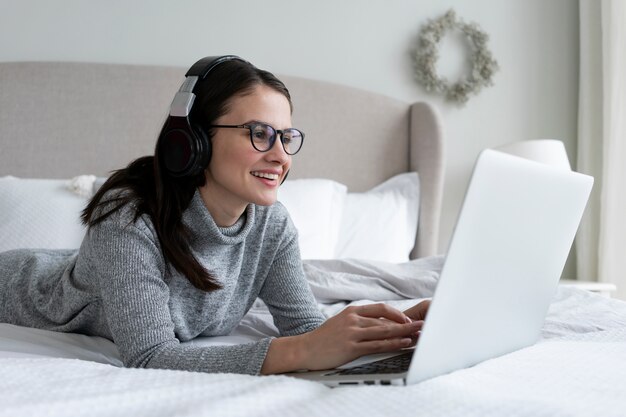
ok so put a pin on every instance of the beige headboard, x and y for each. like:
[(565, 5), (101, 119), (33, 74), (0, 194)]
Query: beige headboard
[(59, 120)]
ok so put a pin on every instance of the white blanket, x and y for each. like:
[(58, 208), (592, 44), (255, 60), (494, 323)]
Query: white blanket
[(555, 378), (578, 368), (351, 279)]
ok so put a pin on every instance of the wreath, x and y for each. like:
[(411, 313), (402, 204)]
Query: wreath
[(483, 66)]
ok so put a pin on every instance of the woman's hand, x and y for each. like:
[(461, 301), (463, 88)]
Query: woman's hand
[(357, 331), (418, 314), (418, 311)]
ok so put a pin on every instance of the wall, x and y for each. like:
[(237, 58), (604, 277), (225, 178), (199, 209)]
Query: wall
[(362, 44)]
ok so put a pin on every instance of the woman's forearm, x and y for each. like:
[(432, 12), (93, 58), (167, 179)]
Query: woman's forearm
[(285, 354)]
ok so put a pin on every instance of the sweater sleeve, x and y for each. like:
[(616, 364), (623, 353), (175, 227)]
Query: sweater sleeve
[(127, 262), (286, 292)]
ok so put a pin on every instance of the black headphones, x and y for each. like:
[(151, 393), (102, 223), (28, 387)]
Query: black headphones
[(184, 148)]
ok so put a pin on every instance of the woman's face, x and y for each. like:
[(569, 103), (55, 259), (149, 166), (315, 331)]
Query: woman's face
[(237, 173)]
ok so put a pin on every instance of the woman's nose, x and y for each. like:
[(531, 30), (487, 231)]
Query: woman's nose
[(277, 151)]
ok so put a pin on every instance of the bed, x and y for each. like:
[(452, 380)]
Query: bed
[(365, 194)]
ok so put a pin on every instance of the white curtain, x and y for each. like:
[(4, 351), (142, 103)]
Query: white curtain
[(601, 244)]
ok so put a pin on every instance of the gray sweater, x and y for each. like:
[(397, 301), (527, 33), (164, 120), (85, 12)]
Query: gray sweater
[(118, 286)]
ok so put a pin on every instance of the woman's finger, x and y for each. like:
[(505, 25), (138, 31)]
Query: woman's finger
[(382, 310), (372, 322), (418, 311), (386, 345), (390, 331)]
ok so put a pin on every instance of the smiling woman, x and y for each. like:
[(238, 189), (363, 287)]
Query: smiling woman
[(181, 243), (247, 166)]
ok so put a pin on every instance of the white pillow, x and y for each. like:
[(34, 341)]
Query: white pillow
[(381, 224), (315, 206), (39, 213)]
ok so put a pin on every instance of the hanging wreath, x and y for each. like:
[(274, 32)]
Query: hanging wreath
[(483, 66)]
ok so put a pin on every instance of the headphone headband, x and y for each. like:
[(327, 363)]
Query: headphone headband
[(203, 67)]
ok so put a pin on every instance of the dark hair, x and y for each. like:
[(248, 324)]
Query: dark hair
[(147, 185)]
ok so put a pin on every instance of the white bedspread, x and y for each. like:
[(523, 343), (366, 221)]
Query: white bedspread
[(577, 369), (554, 378)]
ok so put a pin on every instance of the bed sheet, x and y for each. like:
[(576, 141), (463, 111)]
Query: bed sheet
[(577, 368), (558, 377)]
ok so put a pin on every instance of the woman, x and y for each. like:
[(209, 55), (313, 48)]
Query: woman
[(180, 244)]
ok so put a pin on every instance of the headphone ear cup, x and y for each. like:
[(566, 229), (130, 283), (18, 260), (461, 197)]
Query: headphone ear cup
[(184, 149), (177, 148), (204, 150)]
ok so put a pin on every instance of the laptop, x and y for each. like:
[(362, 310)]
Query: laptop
[(506, 255)]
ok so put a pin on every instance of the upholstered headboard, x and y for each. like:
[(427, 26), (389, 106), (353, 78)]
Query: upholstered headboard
[(59, 120)]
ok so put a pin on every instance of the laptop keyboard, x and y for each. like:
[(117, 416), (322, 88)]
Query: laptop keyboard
[(393, 365)]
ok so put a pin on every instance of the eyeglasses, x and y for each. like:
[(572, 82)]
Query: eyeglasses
[(263, 136)]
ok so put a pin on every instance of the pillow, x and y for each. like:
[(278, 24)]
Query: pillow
[(39, 213), (381, 224), (315, 206)]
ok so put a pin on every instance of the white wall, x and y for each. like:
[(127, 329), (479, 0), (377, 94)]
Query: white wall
[(353, 42)]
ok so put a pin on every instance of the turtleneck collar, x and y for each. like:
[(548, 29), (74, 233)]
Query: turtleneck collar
[(204, 228)]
